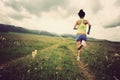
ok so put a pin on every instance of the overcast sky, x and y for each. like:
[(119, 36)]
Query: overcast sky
[(59, 16)]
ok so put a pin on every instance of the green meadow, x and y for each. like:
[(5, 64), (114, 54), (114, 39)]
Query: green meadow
[(55, 58)]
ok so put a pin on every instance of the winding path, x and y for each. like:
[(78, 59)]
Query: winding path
[(81, 67)]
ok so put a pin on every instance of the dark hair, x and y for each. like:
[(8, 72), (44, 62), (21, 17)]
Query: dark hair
[(81, 13)]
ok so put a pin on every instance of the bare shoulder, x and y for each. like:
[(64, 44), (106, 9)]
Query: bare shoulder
[(78, 22), (86, 21)]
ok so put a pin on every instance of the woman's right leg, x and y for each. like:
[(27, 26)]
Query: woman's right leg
[(79, 48)]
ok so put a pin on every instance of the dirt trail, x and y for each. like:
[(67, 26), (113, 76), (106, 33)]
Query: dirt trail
[(81, 67)]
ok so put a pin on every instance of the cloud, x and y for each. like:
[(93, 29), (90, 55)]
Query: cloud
[(17, 16), (36, 6), (114, 23), (108, 16), (96, 6), (4, 19), (117, 3), (13, 3)]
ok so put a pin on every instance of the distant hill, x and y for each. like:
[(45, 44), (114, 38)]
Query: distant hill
[(12, 28)]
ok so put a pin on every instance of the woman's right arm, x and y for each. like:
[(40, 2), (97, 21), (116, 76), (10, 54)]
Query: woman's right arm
[(75, 26)]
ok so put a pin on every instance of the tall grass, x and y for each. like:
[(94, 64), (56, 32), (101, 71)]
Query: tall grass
[(55, 63), (17, 45), (100, 56), (54, 60)]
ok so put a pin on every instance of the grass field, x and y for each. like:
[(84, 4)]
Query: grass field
[(55, 59)]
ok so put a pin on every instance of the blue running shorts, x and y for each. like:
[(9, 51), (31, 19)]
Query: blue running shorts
[(80, 37)]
